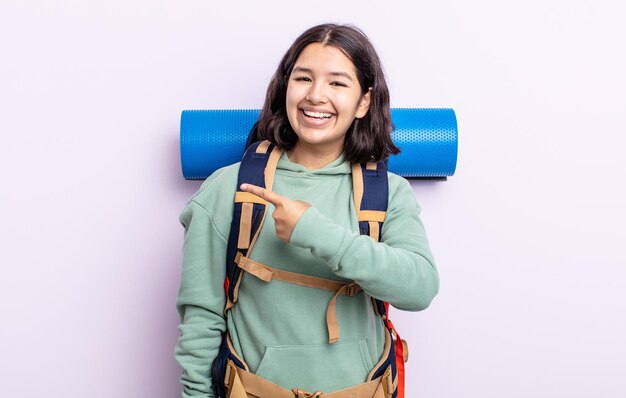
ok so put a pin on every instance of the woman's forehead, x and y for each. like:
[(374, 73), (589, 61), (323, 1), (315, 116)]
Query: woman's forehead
[(324, 59)]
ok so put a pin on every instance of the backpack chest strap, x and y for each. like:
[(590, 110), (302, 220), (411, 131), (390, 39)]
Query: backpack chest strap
[(267, 274)]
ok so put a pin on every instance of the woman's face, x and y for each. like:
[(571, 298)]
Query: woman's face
[(324, 97)]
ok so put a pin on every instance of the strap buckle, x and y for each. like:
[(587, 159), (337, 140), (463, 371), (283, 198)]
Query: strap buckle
[(298, 393), (352, 289), (229, 377), (387, 382), (238, 257)]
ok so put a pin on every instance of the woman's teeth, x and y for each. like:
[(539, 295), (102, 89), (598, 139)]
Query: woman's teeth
[(319, 115)]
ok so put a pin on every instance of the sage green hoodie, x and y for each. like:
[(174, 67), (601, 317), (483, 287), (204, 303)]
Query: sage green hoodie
[(279, 328)]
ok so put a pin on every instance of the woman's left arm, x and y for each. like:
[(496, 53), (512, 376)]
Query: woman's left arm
[(400, 269)]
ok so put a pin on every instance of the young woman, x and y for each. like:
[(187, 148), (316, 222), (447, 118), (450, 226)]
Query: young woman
[(327, 107)]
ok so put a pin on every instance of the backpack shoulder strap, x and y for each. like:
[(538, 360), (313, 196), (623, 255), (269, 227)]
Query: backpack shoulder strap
[(257, 167), (370, 188), (371, 191), (371, 194)]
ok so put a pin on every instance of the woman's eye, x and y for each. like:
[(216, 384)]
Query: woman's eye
[(340, 84), (302, 78)]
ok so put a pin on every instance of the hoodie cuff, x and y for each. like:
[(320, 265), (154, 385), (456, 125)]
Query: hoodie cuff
[(320, 234)]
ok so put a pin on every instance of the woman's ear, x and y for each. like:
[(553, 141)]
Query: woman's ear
[(364, 104)]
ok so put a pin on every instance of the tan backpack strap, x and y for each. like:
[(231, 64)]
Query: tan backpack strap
[(374, 218), (357, 187), (247, 197), (371, 166), (372, 215), (245, 226), (268, 274), (247, 200), (263, 147), (244, 384), (270, 171), (374, 230), (331, 312)]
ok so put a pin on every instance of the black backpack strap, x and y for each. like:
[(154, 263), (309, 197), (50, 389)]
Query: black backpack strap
[(371, 191), (372, 209), (370, 188), (257, 167)]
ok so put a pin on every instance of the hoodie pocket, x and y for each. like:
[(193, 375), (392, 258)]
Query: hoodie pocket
[(324, 367)]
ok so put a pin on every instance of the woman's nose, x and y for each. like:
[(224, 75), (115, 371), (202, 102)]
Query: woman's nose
[(316, 93)]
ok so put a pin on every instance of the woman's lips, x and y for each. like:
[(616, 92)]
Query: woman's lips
[(314, 121)]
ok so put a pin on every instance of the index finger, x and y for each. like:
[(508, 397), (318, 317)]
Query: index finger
[(263, 193)]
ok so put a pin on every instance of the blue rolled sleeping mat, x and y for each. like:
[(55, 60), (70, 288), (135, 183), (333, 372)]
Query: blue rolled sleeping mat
[(427, 138)]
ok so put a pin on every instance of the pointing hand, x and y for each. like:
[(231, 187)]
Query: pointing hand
[(287, 212)]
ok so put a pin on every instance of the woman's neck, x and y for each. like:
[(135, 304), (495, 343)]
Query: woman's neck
[(313, 157)]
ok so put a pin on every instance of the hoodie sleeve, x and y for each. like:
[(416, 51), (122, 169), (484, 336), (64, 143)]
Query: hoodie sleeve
[(400, 269), (200, 300)]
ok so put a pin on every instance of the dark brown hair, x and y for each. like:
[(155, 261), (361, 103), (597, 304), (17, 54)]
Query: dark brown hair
[(368, 138)]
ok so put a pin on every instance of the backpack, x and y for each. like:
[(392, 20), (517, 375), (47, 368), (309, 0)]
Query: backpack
[(231, 376)]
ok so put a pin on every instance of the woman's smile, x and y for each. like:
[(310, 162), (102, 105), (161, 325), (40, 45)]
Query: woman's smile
[(315, 119)]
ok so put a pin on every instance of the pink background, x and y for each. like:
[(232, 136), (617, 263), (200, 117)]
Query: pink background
[(528, 235)]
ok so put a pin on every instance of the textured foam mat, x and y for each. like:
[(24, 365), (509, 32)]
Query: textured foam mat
[(428, 139)]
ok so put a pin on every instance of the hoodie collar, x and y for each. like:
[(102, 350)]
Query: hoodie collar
[(338, 166)]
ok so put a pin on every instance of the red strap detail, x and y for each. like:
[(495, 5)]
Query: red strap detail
[(226, 285), (399, 353), (399, 362)]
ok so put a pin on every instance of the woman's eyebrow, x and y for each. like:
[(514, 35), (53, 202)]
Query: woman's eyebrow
[(344, 74), (307, 70), (302, 69)]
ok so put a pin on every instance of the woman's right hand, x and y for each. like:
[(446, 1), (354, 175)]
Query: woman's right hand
[(287, 212)]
